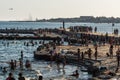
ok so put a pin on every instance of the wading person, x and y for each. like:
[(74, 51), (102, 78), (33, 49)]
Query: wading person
[(78, 54), (4, 70), (27, 64), (10, 77), (15, 63), (64, 61), (21, 64), (12, 66), (20, 77), (22, 55), (75, 73), (58, 60)]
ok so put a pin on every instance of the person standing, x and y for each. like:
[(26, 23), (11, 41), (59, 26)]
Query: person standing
[(96, 54), (82, 56), (21, 63), (95, 29), (111, 51), (27, 64), (78, 55), (12, 66), (22, 55), (118, 57), (89, 53)]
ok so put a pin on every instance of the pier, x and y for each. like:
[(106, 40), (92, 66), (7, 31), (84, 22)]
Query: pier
[(50, 34)]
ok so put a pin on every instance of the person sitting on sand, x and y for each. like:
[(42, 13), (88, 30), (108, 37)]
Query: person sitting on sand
[(107, 54), (75, 73)]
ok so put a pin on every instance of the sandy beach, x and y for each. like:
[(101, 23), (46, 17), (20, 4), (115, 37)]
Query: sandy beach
[(110, 63)]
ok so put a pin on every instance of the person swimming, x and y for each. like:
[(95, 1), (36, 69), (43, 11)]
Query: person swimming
[(27, 64), (20, 77), (75, 73)]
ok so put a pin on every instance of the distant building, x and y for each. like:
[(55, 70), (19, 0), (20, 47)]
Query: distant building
[(86, 17)]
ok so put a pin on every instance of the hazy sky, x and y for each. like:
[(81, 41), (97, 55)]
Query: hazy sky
[(23, 9)]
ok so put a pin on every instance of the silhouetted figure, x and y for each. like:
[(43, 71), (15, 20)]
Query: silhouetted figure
[(107, 54), (75, 73), (111, 51), (95, 29), (64, 61), (82, 55), (21, 63), (12, 65), (96, 53), (116, 70), (118, 57), (20, 77), (4, 70), (78, 54), (58, 60), (21, 54), (10, 77), (27, 64), (51, 55), (15, 63), (89, 53)]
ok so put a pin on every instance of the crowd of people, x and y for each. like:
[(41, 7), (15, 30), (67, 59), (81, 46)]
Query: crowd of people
[(13, 65), (84, 40), (11, 77), (81, 28)]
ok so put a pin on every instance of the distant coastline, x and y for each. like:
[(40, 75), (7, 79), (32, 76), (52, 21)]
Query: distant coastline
[(86, 19)]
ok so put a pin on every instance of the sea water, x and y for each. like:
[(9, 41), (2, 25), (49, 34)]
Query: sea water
[(101, 27), (10, 49)]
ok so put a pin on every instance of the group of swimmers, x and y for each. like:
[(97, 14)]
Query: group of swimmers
[(13, 64), (11, 77)]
